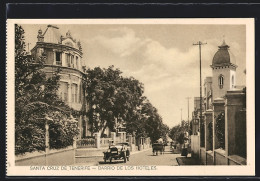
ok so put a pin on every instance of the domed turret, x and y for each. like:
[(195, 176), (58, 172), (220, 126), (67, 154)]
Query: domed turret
[(223, 57), (223, 71)]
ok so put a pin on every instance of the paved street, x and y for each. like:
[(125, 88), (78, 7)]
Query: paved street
[(147, 158)]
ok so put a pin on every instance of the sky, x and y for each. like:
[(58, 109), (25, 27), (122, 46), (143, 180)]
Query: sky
[(161, 56)]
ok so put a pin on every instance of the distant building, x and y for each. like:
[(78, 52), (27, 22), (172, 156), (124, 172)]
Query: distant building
[(64, 52), (195, 116)]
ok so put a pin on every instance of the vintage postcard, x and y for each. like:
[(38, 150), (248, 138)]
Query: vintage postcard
[(130, 97)]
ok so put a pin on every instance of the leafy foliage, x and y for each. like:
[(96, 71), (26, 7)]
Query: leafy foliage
[(202, 133), (220, 129), (210, 127), (116, 101), (35, 100), (177, 132)]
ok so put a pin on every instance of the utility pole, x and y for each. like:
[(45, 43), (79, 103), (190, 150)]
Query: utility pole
[(199, 44), (188, 98)]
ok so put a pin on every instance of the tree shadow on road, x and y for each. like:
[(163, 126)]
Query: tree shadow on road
[(113, 162), (155, 155)]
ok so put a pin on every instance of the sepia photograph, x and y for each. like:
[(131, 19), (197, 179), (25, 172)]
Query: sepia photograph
[(130, 97)]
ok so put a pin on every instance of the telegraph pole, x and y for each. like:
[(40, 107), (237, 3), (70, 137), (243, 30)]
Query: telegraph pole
[(188, 98), (199, 44)]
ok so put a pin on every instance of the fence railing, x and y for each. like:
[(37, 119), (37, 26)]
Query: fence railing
[(86, 143)]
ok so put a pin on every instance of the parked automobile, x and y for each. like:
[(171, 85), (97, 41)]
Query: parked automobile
[(118, 151)]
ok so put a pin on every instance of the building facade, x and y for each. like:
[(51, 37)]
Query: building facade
[(223, 71), (64, 53), (224, 113), (195, 116)]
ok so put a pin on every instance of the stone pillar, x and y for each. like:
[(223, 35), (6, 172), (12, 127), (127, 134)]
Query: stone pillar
[(122, 136), (63, 59), (69, 93), (208, 120), (97, 140), (129, 137), (234, 104), (119, 135), (75, 142), (113, 136), (54, 57), (218, 107), (47, 138), (139, 143)]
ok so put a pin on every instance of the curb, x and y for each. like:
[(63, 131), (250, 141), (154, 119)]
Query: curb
[(178, 161)]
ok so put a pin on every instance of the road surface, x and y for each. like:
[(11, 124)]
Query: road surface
[(147, 158)]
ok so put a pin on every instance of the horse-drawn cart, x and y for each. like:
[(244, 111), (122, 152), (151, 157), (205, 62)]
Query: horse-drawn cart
[(158, 147)]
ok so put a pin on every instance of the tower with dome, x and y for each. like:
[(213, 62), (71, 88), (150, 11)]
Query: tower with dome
[(223, 71), (222, 133)]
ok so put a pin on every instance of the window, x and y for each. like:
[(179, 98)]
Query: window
[(221, 81), (74, 91), (64, 91), (77, 62), (68, 59), (80, 94), (58, 58), (72, 61), (233, 81)]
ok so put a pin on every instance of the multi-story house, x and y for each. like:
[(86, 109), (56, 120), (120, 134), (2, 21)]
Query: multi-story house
[(65, 53)]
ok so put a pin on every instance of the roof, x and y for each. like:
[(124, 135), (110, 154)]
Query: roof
[(223, 56), (52, 34)]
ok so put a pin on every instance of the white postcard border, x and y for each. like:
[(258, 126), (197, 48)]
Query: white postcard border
[(249, 169)]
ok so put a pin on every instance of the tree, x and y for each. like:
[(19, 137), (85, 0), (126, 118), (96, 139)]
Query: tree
[(177, 132), (101, 87), (116, 100), (210, 128), (35, 99), (154, 126), (112, 99)]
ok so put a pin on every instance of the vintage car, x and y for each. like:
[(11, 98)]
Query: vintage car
[(118, 151)]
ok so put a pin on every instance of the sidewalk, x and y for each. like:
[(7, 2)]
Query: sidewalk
[(188, 161)]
